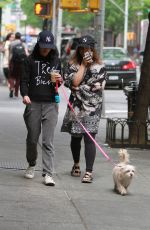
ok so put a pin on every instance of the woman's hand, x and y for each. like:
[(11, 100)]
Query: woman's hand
[(98, 86), (87, 58), (26, 100)]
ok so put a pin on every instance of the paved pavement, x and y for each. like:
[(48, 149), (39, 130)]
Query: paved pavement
[(70, 205)]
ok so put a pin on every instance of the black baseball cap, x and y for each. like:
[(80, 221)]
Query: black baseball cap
[(86, 41), (46, 40)]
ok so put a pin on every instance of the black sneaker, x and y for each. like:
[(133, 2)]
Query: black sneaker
[(11, 93)]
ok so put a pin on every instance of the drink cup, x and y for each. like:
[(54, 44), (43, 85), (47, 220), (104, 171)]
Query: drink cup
[(54, 75)]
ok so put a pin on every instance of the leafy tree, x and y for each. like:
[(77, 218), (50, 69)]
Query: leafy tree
[(4, 2), (145, 7), (114, 18), (81, 20)]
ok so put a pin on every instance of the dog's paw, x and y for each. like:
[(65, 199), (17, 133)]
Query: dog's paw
[(123, 192), (120, 190)]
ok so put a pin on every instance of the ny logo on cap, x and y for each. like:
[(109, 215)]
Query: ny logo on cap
[(84, 40), (48, 39)]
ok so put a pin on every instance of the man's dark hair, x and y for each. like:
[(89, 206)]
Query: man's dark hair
[(52, 57), (17, 35)]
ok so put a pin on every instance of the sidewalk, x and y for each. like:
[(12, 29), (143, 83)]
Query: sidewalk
[(70, 205)]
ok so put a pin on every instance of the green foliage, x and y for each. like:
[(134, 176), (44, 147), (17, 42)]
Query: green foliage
[(73, 19), (32, 19), (135, 12), (114, 18), (81, 20), (146, 8), (4, 2)]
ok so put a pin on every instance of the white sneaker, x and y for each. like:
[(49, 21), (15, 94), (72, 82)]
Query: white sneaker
[(48, 180), (29, 173)]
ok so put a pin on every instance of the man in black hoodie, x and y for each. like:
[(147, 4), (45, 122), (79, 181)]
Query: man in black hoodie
[(41, 112)]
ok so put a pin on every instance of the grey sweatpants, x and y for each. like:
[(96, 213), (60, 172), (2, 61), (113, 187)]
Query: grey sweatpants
[(41, 117)]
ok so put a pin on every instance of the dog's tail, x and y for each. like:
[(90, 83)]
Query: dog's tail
[(123, 156)]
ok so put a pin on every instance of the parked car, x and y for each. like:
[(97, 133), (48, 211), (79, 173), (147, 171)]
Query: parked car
[(120, 67)]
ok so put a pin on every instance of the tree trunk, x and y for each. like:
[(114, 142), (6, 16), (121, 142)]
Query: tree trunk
[(0, 23), (143, 99)]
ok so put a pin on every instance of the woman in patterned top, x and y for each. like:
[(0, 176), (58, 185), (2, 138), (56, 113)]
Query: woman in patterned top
[(85, 75)]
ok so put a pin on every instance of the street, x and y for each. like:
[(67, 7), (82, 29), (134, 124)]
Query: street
[(70, 205), (115, 103)]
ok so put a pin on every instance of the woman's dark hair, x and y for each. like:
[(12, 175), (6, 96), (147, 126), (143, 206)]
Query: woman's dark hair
[(77, 57), (52, 57), (8, 36), (17, 35)]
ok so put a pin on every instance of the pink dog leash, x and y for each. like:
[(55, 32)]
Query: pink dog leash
[(97, 145)]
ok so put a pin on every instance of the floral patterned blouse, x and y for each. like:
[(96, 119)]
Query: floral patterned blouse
[(86, 102)]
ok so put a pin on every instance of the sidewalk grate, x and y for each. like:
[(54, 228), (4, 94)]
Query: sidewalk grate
[(16, 165)]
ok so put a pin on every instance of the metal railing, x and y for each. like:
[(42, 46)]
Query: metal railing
[(118, 133)]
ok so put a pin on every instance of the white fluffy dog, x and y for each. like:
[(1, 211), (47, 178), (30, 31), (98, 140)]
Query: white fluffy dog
[(123, 173)]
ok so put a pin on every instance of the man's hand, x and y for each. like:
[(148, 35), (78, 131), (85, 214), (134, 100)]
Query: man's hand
[(58, 77), (26, 100)]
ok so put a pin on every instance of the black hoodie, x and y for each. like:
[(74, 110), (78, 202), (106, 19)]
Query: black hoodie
[(35, 81)]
